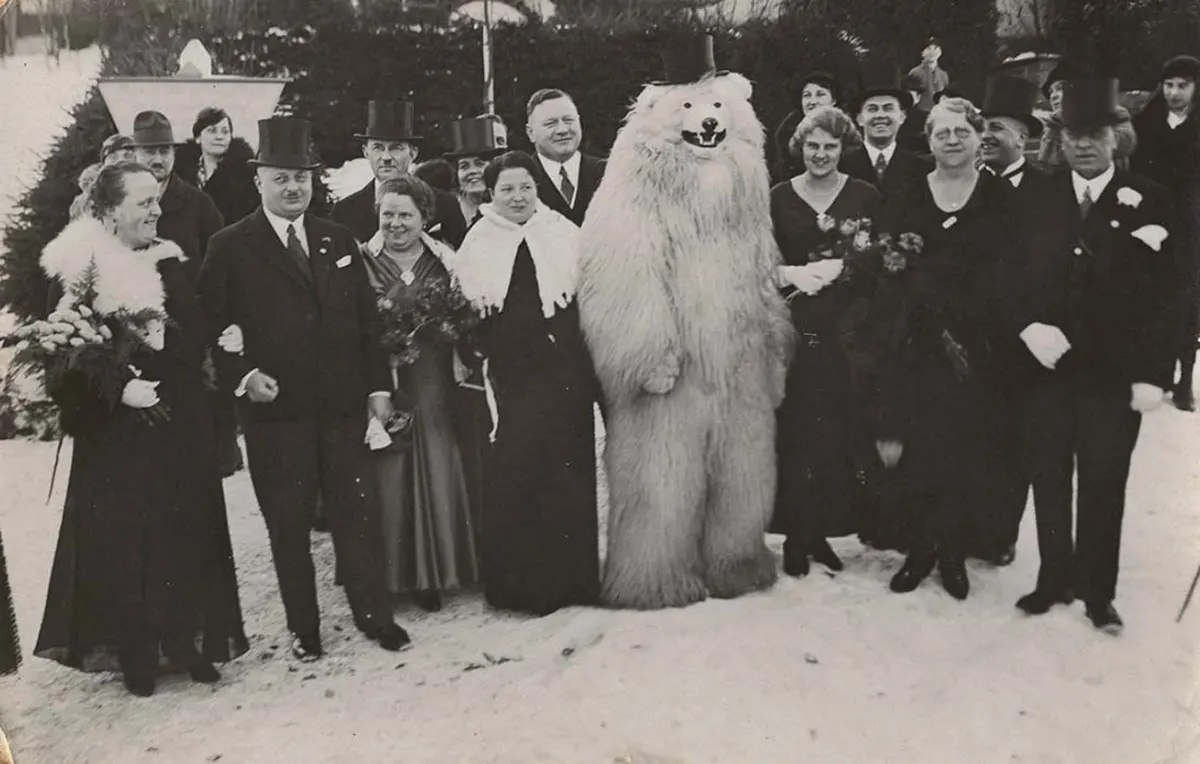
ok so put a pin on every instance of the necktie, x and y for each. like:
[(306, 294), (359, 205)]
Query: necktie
[(880, 166), (1085, 204), (296, 250), (568, 188)]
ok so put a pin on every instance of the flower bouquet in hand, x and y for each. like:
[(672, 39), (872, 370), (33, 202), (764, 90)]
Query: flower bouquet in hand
[(76, 339)]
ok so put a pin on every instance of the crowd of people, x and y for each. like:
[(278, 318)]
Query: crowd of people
[(1053, 298)]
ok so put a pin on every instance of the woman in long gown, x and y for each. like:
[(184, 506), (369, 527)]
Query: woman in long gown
[(519, 265), (429, 535), (821, 438), (935, 424), (143, 569)]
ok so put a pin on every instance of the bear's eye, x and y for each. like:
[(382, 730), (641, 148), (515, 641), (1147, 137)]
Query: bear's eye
[(717, 105), (687, 104)]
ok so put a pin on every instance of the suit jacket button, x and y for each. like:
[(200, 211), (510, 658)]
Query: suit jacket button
[(1078, 251), (1115, 224)]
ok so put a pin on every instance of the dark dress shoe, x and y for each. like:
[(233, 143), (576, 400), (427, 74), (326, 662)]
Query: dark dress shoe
[(391, 637), (204, 672), (916, 567), (307, 648), (428, 600), (824, 554), (1038, 602), (1184, 399), (199, 669), (141, 685), (1104, 617), (795, 560), (954, 580)]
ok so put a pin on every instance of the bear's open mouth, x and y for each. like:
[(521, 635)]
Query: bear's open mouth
[(704, 140)]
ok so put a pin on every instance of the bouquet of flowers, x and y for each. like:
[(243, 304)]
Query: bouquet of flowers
[(77, 339), (439, 313), (864, 252)]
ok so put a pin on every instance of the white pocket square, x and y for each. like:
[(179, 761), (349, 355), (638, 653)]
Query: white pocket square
[(342, 263), (1151, 235)]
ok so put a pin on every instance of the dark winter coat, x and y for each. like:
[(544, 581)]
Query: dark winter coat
[(231, 186), (591, 171), (189, 218), (902, 173)]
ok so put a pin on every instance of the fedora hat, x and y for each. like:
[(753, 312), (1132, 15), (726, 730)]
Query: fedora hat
[(482, 137), (688, 58), (1014, 98), (152, 128), (285, 142), (881, 78), (390, 121), (1090, 102)]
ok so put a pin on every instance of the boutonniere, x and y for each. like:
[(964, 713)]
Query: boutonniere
[(1152, 236), (949, 222), (323, 247), (1128, 197)]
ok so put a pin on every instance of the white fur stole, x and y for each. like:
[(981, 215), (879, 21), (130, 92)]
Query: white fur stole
[(484, 262), (125, 278)]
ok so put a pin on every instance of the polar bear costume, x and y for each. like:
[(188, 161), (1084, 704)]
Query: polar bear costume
[(690, 339)]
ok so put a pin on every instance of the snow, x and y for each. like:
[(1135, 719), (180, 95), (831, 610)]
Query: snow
[(823, 669)]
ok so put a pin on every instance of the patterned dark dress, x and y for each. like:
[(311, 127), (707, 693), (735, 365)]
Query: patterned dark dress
[(429, 533), (821, 435), (540, 535)]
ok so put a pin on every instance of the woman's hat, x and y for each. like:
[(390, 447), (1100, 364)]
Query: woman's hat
[(390, 121), (881, 78), (1090, 102), (152, 128), (1014, 98), (482, 137), (285, 142), (1064, 70), (688, 58), (1187, 67), (822, 78), (113, 143)]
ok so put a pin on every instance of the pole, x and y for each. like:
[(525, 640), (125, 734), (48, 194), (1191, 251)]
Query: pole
[(489, 89), (1188, 598)]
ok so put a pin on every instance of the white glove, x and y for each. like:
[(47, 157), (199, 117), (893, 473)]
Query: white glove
[(1047, 343), (813, 277), (140, 394), (231, 340), (1146, 397)]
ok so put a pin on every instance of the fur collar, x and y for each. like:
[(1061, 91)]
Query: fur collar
[(126, 279), (484, 262), (441, 250)]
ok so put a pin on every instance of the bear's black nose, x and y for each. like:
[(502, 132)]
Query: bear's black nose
[(709, 125)]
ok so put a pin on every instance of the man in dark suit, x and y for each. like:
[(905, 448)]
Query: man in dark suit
[(310, 370), (1093, 310), (567, 178), (189, 217), (881, 110), (391, 146), (1008, 124)]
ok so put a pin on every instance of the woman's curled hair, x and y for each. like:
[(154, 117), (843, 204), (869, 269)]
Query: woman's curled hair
[(510, 160), (830, 119), (412, 187), (108, 190), (954, 105)]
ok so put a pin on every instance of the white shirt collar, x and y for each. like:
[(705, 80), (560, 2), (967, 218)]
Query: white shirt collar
[(1014, 172), (1174, 120), (873, 153), (553, 168), (1095, 186), (280, 226)]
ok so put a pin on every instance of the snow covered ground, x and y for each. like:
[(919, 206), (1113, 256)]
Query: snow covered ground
[(824, 669)]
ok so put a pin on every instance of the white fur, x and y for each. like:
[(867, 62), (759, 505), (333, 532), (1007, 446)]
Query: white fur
[(126, 279), (679, 260), (484, 262)]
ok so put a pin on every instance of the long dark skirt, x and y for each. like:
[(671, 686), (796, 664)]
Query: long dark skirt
[(10, 647)]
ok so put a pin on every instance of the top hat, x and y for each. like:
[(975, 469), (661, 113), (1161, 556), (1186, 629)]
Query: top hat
[(1064, 70), (688, 58), (482, 137), (1012, 97), (390, 121), (152, 128), (284, 142), (1181, 66), (115, 142), (880, 78), (1090, 102)]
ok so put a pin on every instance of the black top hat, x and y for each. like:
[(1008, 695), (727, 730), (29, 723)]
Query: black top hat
[(390, 121), (285, 142), (152, 128), (1090, 102), (881, 78), (1012, 97), (1064, 70), (688, 58), (482, 137), (1187, 67)]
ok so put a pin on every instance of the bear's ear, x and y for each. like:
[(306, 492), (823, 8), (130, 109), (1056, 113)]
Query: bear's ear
[(648, 97), (738, 85)]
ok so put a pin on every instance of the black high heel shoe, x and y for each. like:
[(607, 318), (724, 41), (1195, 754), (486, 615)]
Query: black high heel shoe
[(824, 554), (141, 685), (428, 600)]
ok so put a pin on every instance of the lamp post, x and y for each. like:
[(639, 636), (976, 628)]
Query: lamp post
[(489, 85)]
